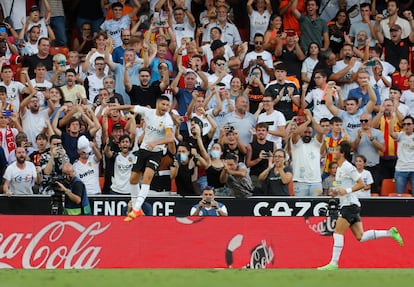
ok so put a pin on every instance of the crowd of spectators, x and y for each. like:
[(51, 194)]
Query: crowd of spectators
[(260, 95)]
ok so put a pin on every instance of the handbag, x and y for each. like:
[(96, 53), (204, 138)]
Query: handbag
[(8, 19)]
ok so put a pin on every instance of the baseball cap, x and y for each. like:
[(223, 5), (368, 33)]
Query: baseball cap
[(34, 8), (117, 126), (83, 144), (395, 27), (217, 44)]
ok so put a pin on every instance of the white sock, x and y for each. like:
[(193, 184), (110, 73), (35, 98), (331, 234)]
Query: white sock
[(374, 234), (134, 190), (337, 248), (141, 196)]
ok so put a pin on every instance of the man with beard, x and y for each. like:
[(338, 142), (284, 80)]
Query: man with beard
[(118, 52), (33, 118), (258, 153), (71, 91), (21, 175), (145, 94), (306, 158)]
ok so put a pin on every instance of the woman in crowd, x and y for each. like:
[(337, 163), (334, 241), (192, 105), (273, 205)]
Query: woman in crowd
[(310, 62), (259, 12), (337, 27), (400, 78), (255, 89), (277, 176), (274, 33)]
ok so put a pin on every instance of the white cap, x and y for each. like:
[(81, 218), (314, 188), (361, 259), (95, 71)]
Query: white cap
[(83, 144)]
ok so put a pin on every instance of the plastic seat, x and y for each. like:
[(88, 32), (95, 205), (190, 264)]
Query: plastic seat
[(59, 50), (101, 181), (291, 190), (387, 187), (399, 194)]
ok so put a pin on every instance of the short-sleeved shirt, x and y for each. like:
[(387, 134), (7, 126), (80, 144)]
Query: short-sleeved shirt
[(312, 31), (21, 180), (114, 27), (145, 96), (230, 33)]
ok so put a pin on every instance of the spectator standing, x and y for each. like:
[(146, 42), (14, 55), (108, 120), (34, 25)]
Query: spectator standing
[(259, 17), (407, 96), (275, 120), (114, 26), (86, 167), (313, 28), (366, 177), (21, 175), (369, 142), (404, 171), (277, 176), (236, 176), (258, 153), (306, 158)]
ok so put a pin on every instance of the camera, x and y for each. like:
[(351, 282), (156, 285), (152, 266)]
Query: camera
[(207, 201), (56, 199)]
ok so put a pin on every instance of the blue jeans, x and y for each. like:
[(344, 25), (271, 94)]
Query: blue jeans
[(307, 189), (401, 179), (59, 28)]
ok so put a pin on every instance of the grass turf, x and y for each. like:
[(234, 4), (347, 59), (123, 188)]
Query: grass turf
[(206, 277)]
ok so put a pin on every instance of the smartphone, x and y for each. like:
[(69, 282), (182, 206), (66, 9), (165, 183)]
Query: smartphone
[(185, 119), (221, 88), (290, 33), (3, 29), (254, 74), (62, 63), (259, 57), (371, 63)]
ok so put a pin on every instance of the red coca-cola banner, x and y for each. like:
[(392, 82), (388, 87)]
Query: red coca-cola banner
[(170, 242)]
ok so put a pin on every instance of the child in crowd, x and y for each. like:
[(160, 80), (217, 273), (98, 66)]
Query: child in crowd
[(360, 162), (328, 182)]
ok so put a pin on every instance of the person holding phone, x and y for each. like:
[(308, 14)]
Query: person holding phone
[(259, 57)]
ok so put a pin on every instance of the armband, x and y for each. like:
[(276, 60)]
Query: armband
[(348, 190)]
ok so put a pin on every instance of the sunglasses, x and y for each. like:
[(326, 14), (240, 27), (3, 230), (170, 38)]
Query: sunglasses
[(258, 42), (221, 64), (363, 121), (406, 124)]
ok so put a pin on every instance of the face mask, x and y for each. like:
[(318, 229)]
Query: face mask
[(183, 157), (215, 154)]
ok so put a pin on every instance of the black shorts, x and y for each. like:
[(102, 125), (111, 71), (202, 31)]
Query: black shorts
[(350, 213), (146, 158)]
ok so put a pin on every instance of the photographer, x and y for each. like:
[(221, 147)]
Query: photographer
[(208, 206), (76, 199), (52, 162)]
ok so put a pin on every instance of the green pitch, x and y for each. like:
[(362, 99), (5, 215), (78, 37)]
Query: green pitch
[(207, 277)]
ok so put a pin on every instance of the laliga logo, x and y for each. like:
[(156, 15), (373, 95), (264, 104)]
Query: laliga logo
[(37, 252), (261, 255)]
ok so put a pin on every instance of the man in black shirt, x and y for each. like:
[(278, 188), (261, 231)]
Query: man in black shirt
[(42, 56), (146, 94)]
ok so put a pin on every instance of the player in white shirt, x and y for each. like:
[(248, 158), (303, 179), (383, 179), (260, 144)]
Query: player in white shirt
[(348, 181), (86, 167), (158, 133)]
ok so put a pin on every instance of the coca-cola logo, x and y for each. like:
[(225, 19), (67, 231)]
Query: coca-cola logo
[(52, 247)]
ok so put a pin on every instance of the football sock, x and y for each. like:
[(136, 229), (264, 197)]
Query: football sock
[(374, 234), (337, 248), (142, 194), (134, 190)]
